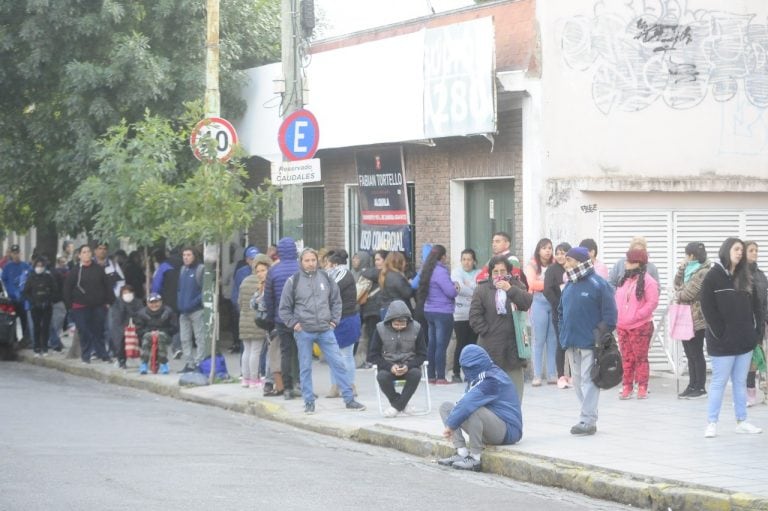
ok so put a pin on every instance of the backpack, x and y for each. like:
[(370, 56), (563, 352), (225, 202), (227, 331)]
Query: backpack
[(607, 371)]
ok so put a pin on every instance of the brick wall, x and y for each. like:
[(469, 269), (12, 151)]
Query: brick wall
[(432, 169)]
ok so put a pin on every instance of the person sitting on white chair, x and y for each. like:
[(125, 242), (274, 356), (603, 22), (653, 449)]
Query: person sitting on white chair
[(398, 349)]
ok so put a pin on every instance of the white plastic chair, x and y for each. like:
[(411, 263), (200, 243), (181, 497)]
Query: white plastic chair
[(399, 384)]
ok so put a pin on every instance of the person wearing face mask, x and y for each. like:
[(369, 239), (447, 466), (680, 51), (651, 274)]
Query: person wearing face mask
[(40, 290), (490, 315), (124, 310)]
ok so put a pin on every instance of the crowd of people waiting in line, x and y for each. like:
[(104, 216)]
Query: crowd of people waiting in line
[(285, 303)]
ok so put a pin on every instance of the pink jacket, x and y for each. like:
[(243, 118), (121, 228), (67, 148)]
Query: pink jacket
[(634, 313)]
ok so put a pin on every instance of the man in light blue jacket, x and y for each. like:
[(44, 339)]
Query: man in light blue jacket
[(587, 311), (489, 412)]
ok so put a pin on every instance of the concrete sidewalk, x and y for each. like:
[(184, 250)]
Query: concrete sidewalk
[(649, 454)]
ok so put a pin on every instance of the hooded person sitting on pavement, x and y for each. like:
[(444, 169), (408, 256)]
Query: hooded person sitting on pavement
[(398, 348), (489, 411)]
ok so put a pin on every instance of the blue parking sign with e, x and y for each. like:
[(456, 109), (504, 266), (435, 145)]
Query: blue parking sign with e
[(299, 136)]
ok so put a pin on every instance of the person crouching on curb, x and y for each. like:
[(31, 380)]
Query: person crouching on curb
[(398, 348), (155, 317), (489, 411)]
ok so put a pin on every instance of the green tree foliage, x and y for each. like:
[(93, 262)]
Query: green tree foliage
[(73, 68)]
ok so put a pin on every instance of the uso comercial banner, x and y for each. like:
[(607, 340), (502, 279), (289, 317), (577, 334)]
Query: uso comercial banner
[(381, 187), (386, 237)]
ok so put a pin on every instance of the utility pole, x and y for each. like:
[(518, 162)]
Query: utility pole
[(293, 99), (212, 252)]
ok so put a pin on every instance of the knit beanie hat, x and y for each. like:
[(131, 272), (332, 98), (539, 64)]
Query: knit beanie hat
[(581, 254), (637, 255)]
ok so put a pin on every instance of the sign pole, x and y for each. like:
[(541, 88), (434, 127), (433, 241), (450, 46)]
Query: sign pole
[(292, 223), (211, 256)]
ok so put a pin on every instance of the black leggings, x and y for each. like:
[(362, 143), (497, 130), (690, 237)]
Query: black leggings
[(464, 336), (697, 365)]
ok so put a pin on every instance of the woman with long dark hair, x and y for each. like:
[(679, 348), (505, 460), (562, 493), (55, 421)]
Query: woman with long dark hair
[(438, 294), (393, 283), (761, 289), (732, 311), (553, 290), (688, 280), (544, 338)]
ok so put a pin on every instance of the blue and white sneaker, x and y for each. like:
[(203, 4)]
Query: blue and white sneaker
[(164, 369), (143, 368)]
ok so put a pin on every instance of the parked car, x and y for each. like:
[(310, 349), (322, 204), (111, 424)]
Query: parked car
[(8, 343)]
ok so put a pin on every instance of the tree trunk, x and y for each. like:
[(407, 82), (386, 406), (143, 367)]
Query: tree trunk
[(47, 241)]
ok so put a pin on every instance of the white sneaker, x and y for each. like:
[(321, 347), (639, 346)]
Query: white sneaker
[(410, 410), (746, 428), (391, 412), (711, 431)]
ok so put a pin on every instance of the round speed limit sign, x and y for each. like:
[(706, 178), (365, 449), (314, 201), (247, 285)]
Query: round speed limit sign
[(222, 133)]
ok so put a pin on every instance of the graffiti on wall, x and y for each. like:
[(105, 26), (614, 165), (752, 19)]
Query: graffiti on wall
[(645, 51)]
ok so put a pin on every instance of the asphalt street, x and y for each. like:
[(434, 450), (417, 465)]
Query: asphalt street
[(73, 443)]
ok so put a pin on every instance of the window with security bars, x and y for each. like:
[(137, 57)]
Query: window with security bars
[(314, 216), (353, 219)]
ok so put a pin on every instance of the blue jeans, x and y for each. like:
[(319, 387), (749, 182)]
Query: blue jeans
[(734, 367), (587, 392), (440, 329), (544, 338), (330, 348), (348, 357), (90, 324), (57, 323)]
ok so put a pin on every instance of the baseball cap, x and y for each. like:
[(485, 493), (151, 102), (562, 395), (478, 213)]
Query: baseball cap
[(154, 297), (15, 248), (251, 252)]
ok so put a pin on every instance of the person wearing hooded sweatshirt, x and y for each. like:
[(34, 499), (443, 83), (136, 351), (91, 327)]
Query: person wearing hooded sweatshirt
[(40, 291), (734, 319), (273, 289), (311, 306), (587, 311), (637, 296), (489, 411), (87, 294), (252, 286), (690, 275), (398, 349)]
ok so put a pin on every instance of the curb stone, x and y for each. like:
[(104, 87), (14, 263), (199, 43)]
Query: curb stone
[(597, 482)]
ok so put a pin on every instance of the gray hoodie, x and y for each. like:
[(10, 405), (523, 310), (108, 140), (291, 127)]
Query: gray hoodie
[(315, 302)]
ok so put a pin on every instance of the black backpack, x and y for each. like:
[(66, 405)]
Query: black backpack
[(607, 371)]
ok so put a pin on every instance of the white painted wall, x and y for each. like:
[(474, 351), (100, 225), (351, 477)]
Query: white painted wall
[(606, 95)]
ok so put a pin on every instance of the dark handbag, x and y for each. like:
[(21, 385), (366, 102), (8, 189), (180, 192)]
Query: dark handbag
[(607, 370), (262, 318)]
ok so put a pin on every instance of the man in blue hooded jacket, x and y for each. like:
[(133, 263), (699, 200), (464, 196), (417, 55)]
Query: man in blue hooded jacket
[(277, 275), (489, 411)]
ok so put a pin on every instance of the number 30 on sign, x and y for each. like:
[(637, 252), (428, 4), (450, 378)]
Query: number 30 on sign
[(222, 133)]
